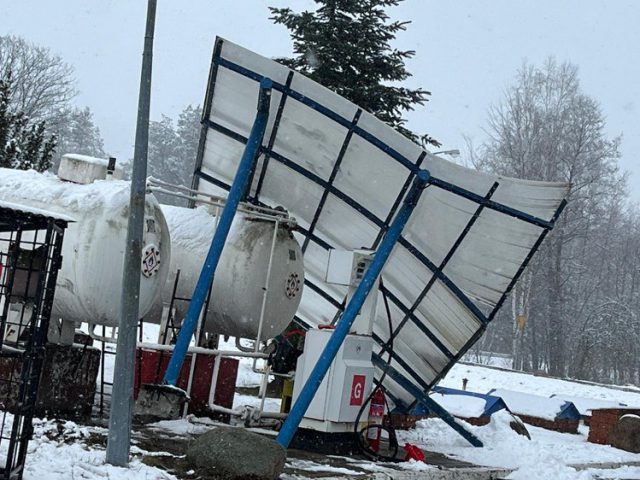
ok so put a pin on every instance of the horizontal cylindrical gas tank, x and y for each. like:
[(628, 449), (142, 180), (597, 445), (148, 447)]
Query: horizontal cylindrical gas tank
[(240, 278), (90, 280)]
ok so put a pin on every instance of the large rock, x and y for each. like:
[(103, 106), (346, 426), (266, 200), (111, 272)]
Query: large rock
[(626, 434), (234, 454)]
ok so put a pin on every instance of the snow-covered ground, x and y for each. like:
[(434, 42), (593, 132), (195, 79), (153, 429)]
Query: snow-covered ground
[(62, 452), (482, 379), (548, 455)]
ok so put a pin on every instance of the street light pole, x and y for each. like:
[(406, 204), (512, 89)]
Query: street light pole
[(119, 439)]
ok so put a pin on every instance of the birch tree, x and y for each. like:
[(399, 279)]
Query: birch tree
[(545, 128)]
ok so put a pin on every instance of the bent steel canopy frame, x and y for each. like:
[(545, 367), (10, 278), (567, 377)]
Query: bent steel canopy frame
[(344, 174)]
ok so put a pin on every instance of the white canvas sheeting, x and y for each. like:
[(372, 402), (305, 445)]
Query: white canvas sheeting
[(342, 174)]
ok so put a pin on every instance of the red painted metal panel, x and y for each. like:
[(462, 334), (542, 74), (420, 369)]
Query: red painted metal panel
[(151, 364)]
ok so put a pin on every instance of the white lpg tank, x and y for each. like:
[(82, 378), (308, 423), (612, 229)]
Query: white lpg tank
[(238, 287), (89, 282)]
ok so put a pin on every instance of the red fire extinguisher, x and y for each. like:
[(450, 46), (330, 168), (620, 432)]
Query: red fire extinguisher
[(376, 417)]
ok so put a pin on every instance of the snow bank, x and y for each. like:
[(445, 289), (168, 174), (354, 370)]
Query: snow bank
[(45, 190)]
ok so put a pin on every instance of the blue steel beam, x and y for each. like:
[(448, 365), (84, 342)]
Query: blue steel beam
[(423, 398), (351, 311), (207, 274)]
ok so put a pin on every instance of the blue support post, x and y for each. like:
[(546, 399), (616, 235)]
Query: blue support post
[(236, 194), (351, 311), (424, 399)]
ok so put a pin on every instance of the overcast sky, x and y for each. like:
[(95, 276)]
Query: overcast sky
[(467, 53)]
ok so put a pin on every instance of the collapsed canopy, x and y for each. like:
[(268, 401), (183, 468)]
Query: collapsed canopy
[(343, 174)]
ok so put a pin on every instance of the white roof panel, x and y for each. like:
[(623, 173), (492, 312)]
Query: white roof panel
[(343, 174)]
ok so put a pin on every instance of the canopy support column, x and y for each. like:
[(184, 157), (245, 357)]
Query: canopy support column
[(236, 194)]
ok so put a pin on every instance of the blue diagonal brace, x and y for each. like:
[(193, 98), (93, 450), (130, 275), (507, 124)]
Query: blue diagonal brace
[(423, 398), (208, 271), (351, 311)]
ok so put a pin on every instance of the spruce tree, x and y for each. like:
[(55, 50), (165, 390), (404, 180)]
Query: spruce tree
[(23, 145), (76, 133), (345, 46)]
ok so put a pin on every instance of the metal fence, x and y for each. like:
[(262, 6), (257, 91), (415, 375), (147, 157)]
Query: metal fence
[(30, 256)]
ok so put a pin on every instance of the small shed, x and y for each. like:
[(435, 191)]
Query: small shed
[(603, 421), (586, 405), (550, 413), (474, 408)]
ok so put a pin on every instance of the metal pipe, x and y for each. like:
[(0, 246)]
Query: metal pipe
[(263, 388), (119, 438), (250, 212), (319, 371), (207, 274), (215, 199), (267, 282), (241, 412), (203, 351), (214, 380), (192, 367)]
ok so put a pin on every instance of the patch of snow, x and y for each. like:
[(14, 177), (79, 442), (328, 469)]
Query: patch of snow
[(190, 228), (103, 162), (309, 466), (180, 427), (270, 404), (415, 466), (629, 415)]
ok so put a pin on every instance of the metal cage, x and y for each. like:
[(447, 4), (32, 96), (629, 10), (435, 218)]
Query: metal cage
[(30, 257)]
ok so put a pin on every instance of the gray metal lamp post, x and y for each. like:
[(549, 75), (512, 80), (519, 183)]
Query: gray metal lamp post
[(119, 439)]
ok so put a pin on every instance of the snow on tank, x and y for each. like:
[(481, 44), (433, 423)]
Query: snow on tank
[(89, 282), (238, 287)]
